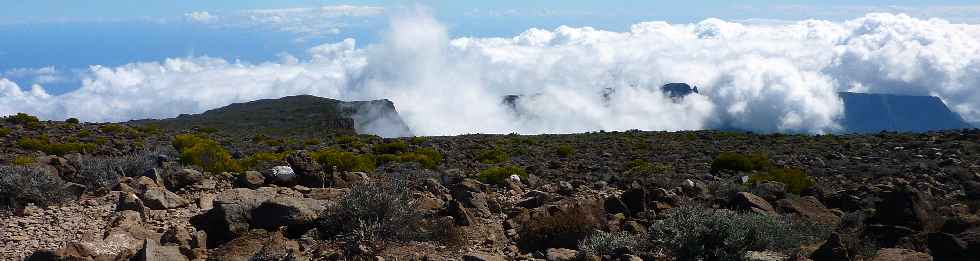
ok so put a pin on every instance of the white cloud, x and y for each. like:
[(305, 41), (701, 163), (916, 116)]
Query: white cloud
[(308, 22), (44, 75), (764, 77), (201, 17)]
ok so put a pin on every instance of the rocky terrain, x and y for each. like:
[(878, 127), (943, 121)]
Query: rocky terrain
[(80, 191)]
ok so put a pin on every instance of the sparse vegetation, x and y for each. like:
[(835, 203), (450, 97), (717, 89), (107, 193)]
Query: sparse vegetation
[(493, 156), (562, 229), (796, 180), (641, 167), (564, 150), (24, 160), (497, 175), (20, 185), (262, 160), (22, 119), (43, 144), (601, 243), (393, 147), (344, 161), (699, 233), (204, 153), (5, 131), (382, 210), (730, 161)]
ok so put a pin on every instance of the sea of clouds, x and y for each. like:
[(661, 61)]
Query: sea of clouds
[(758, 76)]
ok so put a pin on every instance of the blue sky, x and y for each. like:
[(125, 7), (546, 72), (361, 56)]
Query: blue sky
[(69, 36)]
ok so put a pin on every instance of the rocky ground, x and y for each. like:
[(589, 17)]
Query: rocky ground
[(592, 196)]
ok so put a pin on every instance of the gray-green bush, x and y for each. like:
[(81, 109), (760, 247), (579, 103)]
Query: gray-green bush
[(20, 185), (698, 233), (381, 210), (601, 243)]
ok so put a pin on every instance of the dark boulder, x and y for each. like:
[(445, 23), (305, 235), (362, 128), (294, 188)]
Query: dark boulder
[(832, 250), (947, 247), (906, 208)]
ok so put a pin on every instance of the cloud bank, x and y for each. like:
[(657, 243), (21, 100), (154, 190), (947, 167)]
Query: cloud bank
[(762, 77)]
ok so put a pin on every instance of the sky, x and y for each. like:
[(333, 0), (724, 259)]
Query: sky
[(100, 60)]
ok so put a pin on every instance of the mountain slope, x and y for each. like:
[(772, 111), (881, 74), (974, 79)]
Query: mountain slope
[(302, 115), (868, 113)]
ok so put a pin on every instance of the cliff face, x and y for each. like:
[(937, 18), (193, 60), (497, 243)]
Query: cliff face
[(869, 113), (302, 115)]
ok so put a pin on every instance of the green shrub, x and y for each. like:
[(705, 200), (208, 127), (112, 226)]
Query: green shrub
[(564, 150), (419, 140), (344, 161), (5, 131), (698, 233), (497, 175), (493, 156), (731, 161), (73, 121), (204, 153), (393, 147), (84, 134), (311, 142), (796, 180), (208, 130), (148, 128), (22, 118), (24, 160), (601, 243), (52, 148), (429, 158), (262, 160), (21, 185), (641, 167), (347, 139), (116, 129)]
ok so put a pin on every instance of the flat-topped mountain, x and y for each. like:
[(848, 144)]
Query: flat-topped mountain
[(303, 115), (869, 113)]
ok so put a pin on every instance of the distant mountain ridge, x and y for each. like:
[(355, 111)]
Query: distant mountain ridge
[(302, 115), (869, 113)]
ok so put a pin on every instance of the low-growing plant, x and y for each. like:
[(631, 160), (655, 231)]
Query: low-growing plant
[(24, 160), (419, 140), (393, 147), (262, 160), (43, 144), (731, 161), (796, 180), (564, 228), (117, 129), (601, 243), (20, 185), (204, 153), (493, 156), (641, 167), (429, 158), (381, 210), (5, 131), (344, 161), (564, 150), (699, 233), (498, 175), (99, 174), (22, 119), (311, 142)]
